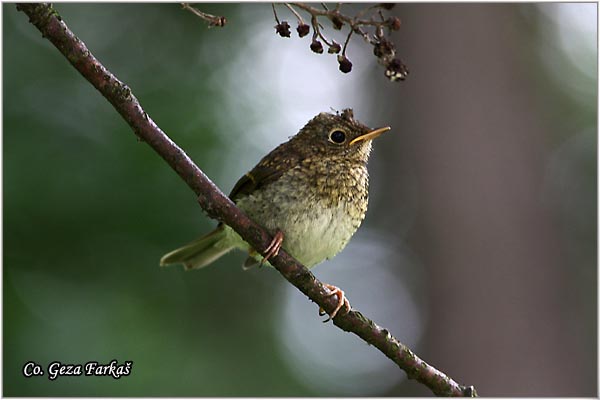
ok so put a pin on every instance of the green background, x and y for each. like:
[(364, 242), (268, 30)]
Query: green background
[(479, 248)]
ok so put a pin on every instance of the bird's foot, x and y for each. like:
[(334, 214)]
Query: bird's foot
[(273, 249), (342, 301)]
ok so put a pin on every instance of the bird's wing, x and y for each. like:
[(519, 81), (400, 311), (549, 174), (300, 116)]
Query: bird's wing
[(269, 169)]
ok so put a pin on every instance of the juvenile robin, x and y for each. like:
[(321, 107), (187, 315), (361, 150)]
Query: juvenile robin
[(310, 193)]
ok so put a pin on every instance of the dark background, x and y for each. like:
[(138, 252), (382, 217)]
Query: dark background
[(478, 250)]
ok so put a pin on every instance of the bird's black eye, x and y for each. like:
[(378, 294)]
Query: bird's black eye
[(337, 136)]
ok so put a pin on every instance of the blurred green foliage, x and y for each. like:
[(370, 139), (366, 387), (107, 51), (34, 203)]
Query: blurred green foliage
[(89, 210)]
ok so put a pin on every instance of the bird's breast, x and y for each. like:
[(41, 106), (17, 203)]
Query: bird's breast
[(319, 233), (317, 213)]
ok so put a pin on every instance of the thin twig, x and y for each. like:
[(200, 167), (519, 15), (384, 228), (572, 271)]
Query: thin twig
[(213, 20), (220, 207), (317, 30), (275, 13), (329, 13), (289, 6), (346, 42)]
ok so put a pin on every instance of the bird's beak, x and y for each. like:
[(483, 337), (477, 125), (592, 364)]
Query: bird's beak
[(370, 135)]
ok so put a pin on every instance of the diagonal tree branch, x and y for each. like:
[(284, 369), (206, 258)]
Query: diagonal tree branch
[(220, 207)]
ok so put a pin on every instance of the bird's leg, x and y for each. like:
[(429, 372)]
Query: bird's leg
[(273, 249), (342, 301)]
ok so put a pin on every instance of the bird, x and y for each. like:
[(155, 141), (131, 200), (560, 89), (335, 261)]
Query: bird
[(310, 193)]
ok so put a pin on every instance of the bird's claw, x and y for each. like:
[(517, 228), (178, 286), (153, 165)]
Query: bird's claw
[(342, 301), (273, 249)]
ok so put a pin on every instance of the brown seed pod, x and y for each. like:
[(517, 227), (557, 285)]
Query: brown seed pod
[(345, 64), (302, 29), (316, 46), (283, 29)]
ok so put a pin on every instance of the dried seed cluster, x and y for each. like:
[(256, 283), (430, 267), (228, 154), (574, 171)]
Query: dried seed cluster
[(385, 51), (371, 29)]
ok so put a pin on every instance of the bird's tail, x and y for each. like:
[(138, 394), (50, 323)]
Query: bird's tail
[(200, 252)]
